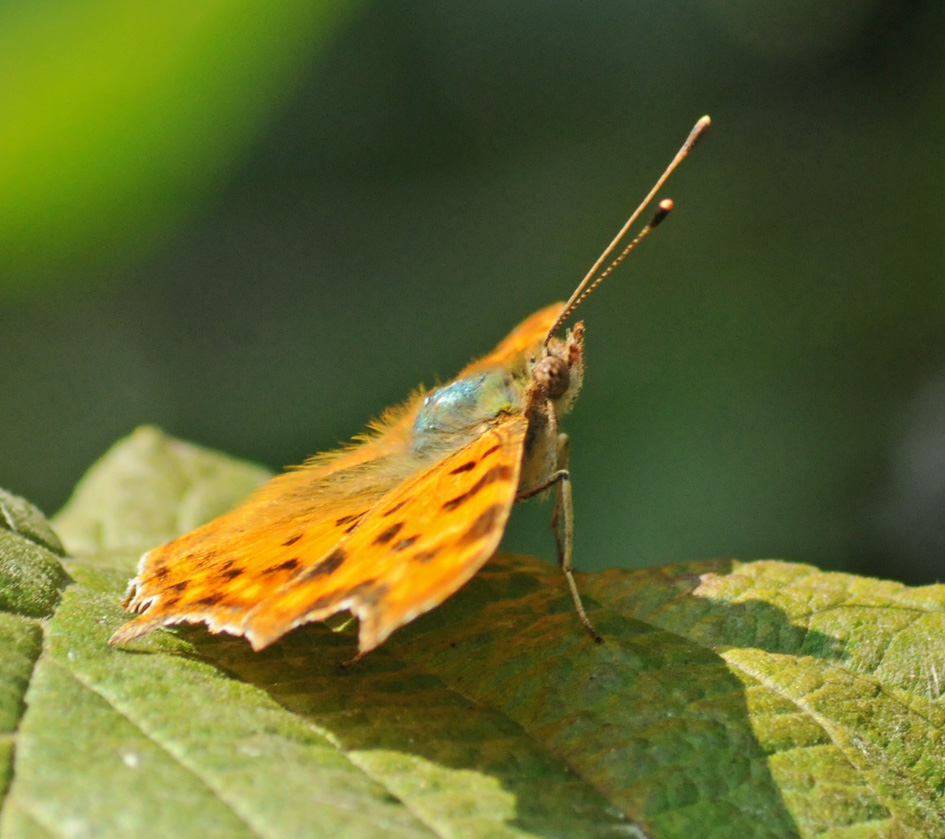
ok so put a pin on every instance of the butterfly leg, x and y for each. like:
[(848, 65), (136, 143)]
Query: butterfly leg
[(562, 523), (564, 540)]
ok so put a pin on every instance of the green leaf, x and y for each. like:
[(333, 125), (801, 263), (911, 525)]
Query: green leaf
[(764, 699), (148, 489), (30, 572), (31, 579)]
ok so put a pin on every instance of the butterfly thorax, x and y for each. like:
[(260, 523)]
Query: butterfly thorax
[(539, 381), (453, 414)]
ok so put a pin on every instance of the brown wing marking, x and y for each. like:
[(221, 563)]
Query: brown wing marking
[(220, 571), (225, 569), (422, 542)]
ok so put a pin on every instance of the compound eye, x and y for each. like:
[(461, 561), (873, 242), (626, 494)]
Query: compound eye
[(552, 375)]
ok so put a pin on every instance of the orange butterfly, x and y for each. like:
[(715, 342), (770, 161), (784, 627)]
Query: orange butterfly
[(391, 526)]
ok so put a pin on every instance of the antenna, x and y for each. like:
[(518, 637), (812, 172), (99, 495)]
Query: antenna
[(586, 286)]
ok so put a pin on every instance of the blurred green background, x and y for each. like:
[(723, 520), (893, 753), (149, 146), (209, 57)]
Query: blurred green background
[(257, 225)]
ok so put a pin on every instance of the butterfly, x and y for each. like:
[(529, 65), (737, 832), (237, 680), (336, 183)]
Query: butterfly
[(392, 525)]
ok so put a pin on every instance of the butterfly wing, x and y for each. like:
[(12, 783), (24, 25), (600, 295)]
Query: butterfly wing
[(387, 557), (220, 571), (276, 561), (526, 336), (418, 545)]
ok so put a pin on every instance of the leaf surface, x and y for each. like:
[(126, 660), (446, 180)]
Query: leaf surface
[(763, 699)]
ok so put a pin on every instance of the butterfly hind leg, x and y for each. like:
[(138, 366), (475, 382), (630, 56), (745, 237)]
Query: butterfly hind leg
[(562, 523)]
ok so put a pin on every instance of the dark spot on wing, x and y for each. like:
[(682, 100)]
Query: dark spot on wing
[(502, 472), (210, 554), (394, 509), (465, 467), (170, 602), (403, 544), (425, 556), (389, 534), (291, 540), (489, 451), (354, 517), (209, 600), (328, 565), (231, 573), (181, 586), (161, 572), (483, 525), (286, 565)]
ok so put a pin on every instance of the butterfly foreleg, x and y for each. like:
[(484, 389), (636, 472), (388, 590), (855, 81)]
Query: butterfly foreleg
[(562, 523), (564, 538)]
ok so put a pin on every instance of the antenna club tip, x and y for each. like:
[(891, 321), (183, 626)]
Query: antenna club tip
[(666, 205), (697, 133)]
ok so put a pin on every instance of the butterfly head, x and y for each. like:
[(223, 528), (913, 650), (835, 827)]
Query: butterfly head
[(559, 373)]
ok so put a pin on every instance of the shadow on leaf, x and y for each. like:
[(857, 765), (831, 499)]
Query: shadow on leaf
[(500, 689)]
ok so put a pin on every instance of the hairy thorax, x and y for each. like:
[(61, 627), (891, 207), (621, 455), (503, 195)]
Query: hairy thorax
[(542, 383)]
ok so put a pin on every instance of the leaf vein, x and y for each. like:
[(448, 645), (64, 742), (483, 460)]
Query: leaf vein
[(194, 771)]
